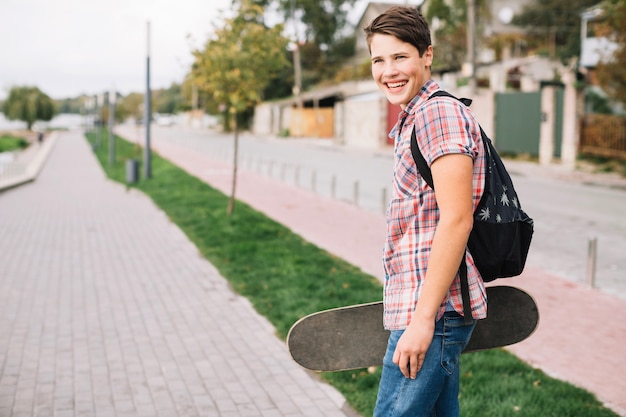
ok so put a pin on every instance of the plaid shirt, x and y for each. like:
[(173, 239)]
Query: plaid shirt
[(443, 126)]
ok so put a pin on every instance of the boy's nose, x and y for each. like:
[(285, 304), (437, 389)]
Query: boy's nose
[(390, 69)]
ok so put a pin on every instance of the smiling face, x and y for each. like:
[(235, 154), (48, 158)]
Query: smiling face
[(398, 69)]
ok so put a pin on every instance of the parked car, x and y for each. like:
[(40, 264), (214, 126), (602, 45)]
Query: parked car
[(164, 119)]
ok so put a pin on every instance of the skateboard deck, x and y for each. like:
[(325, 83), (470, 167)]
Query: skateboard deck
[(353, 337)]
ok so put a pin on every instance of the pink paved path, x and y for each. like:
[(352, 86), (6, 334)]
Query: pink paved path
[(571, 343)]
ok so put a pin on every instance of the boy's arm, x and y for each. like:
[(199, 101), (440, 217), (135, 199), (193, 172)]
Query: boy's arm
[(452, 177)]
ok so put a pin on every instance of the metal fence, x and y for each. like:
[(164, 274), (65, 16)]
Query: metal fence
[(603, 135)]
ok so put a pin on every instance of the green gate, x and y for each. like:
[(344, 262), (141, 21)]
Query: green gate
[(518, 123)]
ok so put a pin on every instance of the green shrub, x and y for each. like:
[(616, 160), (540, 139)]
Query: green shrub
[(12, 143)]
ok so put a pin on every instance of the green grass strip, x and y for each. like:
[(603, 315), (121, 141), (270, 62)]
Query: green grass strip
[(285, 277), (12, 143)]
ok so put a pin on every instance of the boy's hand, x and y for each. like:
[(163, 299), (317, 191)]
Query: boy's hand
[(412, 346)]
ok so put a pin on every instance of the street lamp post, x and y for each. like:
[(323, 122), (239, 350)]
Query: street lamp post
[(471, 43), (96, 118), (147, 156), (100, 99), (111, 124)]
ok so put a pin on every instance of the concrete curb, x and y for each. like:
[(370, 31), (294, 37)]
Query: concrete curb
[(33, 167)]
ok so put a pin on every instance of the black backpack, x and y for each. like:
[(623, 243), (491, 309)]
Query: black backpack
[(502, 232)]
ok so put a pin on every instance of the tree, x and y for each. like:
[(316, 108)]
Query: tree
[(132, 106), (612, 72), (323, 20), (320, 27), (73, 105), (449, 29), (169, 100), (449, 22), (238, 63), (556, 23), (28, 104)]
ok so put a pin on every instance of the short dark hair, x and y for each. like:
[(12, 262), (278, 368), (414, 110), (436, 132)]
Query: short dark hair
[(405, 23)]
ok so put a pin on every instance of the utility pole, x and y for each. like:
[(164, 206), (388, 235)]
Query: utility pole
[(297, 88), (147, 116), (111, 123), (471, 43), (94, 119), (100, 120)]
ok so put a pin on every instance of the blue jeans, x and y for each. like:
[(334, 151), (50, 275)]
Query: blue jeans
[(435, 390)]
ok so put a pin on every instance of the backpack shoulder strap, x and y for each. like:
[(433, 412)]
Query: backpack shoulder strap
[(443, 93), (425, 172), (420, 162)]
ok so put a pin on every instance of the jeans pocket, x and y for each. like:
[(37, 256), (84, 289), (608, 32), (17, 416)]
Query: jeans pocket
[(456, 334)]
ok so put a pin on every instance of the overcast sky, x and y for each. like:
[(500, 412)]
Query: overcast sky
[(73, 47)]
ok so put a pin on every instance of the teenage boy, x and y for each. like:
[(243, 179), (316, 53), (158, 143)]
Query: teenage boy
[(427, 231)]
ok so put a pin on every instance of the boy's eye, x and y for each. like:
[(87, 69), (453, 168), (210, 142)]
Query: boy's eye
[(376, 60), (400, 57)]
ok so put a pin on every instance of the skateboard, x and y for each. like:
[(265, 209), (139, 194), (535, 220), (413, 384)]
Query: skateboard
[(353, 337)]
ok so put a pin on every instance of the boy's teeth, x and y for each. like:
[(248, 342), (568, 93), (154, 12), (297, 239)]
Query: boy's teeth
[(394, 85)]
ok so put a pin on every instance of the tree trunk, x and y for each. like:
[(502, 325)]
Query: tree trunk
[(231, 202)]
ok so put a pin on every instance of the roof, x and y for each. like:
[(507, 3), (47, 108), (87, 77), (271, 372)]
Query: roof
[(375, 9), (339, 91)]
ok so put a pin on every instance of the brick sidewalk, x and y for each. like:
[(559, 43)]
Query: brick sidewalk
[(92, 323), (106, 309), (572, 342)]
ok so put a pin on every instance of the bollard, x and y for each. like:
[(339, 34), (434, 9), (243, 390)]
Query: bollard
[(132, 171), (356, 193), (333, 186), (384, 200), (313, 180), (592, 254)]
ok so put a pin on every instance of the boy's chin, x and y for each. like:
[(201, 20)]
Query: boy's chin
[(397, 101)]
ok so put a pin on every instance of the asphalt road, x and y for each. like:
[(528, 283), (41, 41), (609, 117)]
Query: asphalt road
[(569, 209)]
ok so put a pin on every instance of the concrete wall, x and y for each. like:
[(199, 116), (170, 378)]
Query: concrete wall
[(364, 121), (271, 119), (483, 106), (263, 118)]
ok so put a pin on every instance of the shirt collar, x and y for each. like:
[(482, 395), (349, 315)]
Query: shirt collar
[(425, 92)]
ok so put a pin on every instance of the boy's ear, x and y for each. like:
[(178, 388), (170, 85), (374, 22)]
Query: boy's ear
[(428, 56)]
